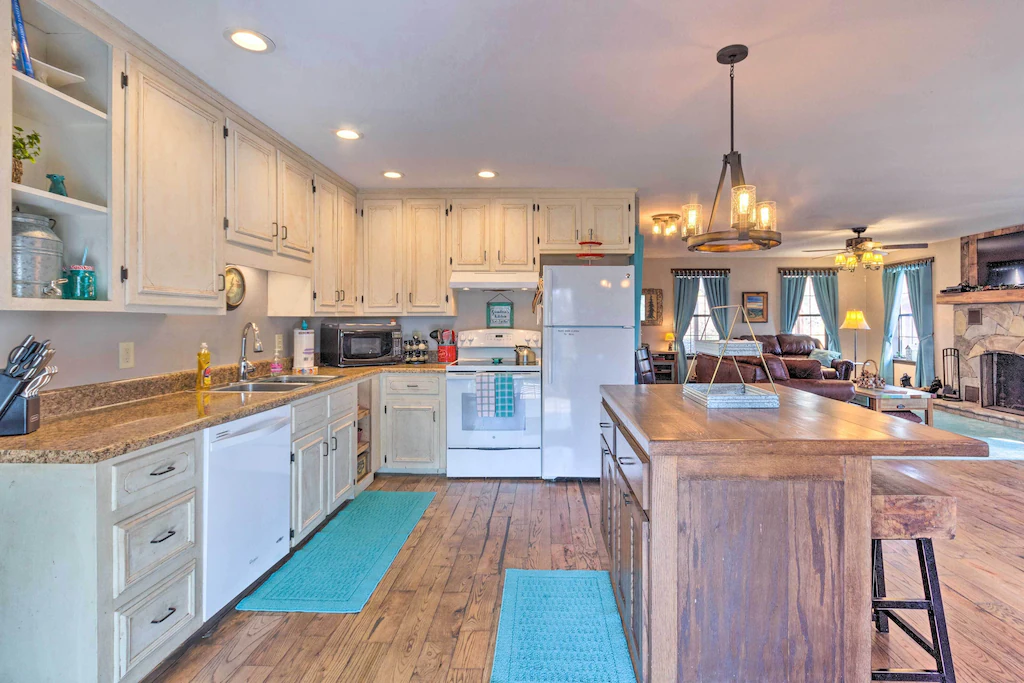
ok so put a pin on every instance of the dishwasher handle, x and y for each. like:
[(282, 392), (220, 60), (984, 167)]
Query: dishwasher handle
[(254, 432)]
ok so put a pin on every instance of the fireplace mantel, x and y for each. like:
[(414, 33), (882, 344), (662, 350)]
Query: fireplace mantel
[(992, 296)]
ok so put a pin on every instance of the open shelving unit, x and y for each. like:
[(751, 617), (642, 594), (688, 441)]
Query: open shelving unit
[(76, 127), (364, 436)]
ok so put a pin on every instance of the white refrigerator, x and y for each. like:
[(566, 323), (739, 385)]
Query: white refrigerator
[(589, 318)]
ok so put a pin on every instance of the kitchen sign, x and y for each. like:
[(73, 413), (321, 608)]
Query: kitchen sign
[(499, 314)]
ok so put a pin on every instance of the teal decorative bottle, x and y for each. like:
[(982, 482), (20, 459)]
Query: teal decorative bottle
[(57, 184)]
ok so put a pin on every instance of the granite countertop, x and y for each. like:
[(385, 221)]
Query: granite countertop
[(91, 436)]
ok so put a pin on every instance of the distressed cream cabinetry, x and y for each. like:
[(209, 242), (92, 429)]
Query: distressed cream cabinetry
[(413, 422)]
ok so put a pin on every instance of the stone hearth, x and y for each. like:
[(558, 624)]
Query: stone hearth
[(1001, 329)]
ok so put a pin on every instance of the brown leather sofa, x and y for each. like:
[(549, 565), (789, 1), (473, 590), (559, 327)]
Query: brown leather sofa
[(796, 346), (796, 373)]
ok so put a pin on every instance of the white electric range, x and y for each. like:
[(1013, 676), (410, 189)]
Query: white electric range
[(480, 446)]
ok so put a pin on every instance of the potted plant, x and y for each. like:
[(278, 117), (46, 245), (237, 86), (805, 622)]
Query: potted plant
[(24, 147)]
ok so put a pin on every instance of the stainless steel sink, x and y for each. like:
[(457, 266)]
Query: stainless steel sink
[(293, 379), (246, 387)]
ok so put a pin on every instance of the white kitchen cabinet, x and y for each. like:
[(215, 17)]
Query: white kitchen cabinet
[(251, 188), (295, 208), (326, 290), (558, 224), (341, 461), (609, 221), (382, 257), (470, 234), (309, 499), (412, 434), (513, 234), (426, 267), (175, 194), (348, 295)]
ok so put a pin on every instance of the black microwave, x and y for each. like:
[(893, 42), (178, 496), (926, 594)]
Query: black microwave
[(345, 345)]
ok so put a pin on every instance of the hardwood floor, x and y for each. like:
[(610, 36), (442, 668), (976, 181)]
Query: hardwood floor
[(434, 617)]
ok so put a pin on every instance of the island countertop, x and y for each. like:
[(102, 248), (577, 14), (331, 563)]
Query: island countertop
[(663, 422)]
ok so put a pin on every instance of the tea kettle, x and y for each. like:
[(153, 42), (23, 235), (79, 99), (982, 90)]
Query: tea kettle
[(525, 356)]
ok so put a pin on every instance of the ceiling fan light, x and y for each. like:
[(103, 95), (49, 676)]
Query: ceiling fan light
[(656, 229), (840, 260), (744, 207), (766, 219), (851, 262), (693, 220)]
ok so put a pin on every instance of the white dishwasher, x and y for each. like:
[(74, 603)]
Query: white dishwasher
[(246, 503)]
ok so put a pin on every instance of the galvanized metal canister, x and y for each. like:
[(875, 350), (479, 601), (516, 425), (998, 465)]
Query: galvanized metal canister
[(37, 256)]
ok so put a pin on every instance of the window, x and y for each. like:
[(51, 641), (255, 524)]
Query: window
[(701, 328), (808, 319), (906, 331)]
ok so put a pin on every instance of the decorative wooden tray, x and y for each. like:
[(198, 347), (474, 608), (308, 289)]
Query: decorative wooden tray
[(729, 347), (731, 396)]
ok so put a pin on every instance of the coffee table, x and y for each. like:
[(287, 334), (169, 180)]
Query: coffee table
[(895, 399)]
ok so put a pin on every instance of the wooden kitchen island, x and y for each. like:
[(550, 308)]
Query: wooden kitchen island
[(740, 539)]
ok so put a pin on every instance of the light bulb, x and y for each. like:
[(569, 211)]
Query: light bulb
[(656, 229), (744, 202)]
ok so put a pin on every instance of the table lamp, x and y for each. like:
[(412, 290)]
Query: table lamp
[(854, 321), (670, 337)]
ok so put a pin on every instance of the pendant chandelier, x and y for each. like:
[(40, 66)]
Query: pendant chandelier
[(752, 223)]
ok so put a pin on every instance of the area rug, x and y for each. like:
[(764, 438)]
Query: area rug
[(1004, 442), (339, 568), (560, 627)]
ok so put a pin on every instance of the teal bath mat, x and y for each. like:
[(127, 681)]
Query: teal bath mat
[(560, 627), (340, 567)]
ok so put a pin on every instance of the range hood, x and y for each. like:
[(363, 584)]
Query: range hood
[(487, 280)]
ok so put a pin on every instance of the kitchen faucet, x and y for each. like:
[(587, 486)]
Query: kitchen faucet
[(244, 366)]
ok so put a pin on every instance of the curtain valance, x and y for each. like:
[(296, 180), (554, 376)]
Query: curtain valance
[(806, 272), (701, 272), (916, 264)]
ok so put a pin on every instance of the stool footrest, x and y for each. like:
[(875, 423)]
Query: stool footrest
[(901, 604), (906, 675)]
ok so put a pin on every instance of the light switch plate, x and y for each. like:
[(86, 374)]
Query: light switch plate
[(126, 355)]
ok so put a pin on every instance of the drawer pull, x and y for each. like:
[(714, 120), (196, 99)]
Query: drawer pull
[(161, 539), (626, 461), (901, 406), (627, 499), (412, 386), (170, 611), (160, 473), (606, 425)]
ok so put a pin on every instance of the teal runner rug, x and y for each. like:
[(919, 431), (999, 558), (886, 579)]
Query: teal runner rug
[(339, 568), (560, 627)]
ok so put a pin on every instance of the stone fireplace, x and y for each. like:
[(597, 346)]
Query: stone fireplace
[(1000, 330), (1002, 382)]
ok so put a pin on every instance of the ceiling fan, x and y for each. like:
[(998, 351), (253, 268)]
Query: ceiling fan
[(864, 251)]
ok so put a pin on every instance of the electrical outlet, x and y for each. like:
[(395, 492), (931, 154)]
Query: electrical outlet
[(279, 343), (126, 355)]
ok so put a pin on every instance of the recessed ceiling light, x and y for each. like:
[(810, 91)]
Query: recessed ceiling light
[(394, 175), (250, 40), (487, 174), (347, 134)]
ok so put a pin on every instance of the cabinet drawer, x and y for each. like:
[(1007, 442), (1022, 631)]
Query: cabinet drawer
[(157, 617), (153, 470), (309, 415), (635, 471), (342, 402), (411, 384), (607, 429), (909, 403), (143, 542)]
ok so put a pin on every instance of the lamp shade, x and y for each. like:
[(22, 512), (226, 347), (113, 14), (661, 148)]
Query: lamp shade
[(670, 336), (854, 321)]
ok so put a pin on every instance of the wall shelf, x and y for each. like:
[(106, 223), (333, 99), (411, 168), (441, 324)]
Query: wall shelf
[(62, 305), (31, 198), (41, 103), (992, 296)]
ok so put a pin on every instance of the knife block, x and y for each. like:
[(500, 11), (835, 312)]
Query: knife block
[(22, 417)]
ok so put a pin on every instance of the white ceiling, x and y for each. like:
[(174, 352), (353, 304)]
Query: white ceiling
[(905, 116)]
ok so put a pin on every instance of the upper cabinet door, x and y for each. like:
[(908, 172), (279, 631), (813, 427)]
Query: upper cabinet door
[(251, 189), (347, 250), (609, 221), (558, 224), (326, 293), (470, 230), (382, 256), (295, 208), (175, 195), (426, 256), (513, 231)]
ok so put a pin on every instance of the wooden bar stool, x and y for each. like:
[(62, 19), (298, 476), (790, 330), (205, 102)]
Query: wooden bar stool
[(904, 509)]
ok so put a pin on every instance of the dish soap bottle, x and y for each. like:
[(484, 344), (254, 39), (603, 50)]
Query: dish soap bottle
[(276, 366), (203, 377)]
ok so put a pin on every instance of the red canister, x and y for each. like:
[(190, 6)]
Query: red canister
[(446, 353)]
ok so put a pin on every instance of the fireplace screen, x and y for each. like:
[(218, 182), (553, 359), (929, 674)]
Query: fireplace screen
[(1002, 382)]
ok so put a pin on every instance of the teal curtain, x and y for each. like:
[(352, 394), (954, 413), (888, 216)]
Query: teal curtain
[(890, 292), (919, 287), (826, 293), (686, 290), (792, 294), (716, 288)]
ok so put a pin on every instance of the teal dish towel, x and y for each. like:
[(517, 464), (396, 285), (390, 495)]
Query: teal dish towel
[(504, 395), (339, 568), (560, 626)]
